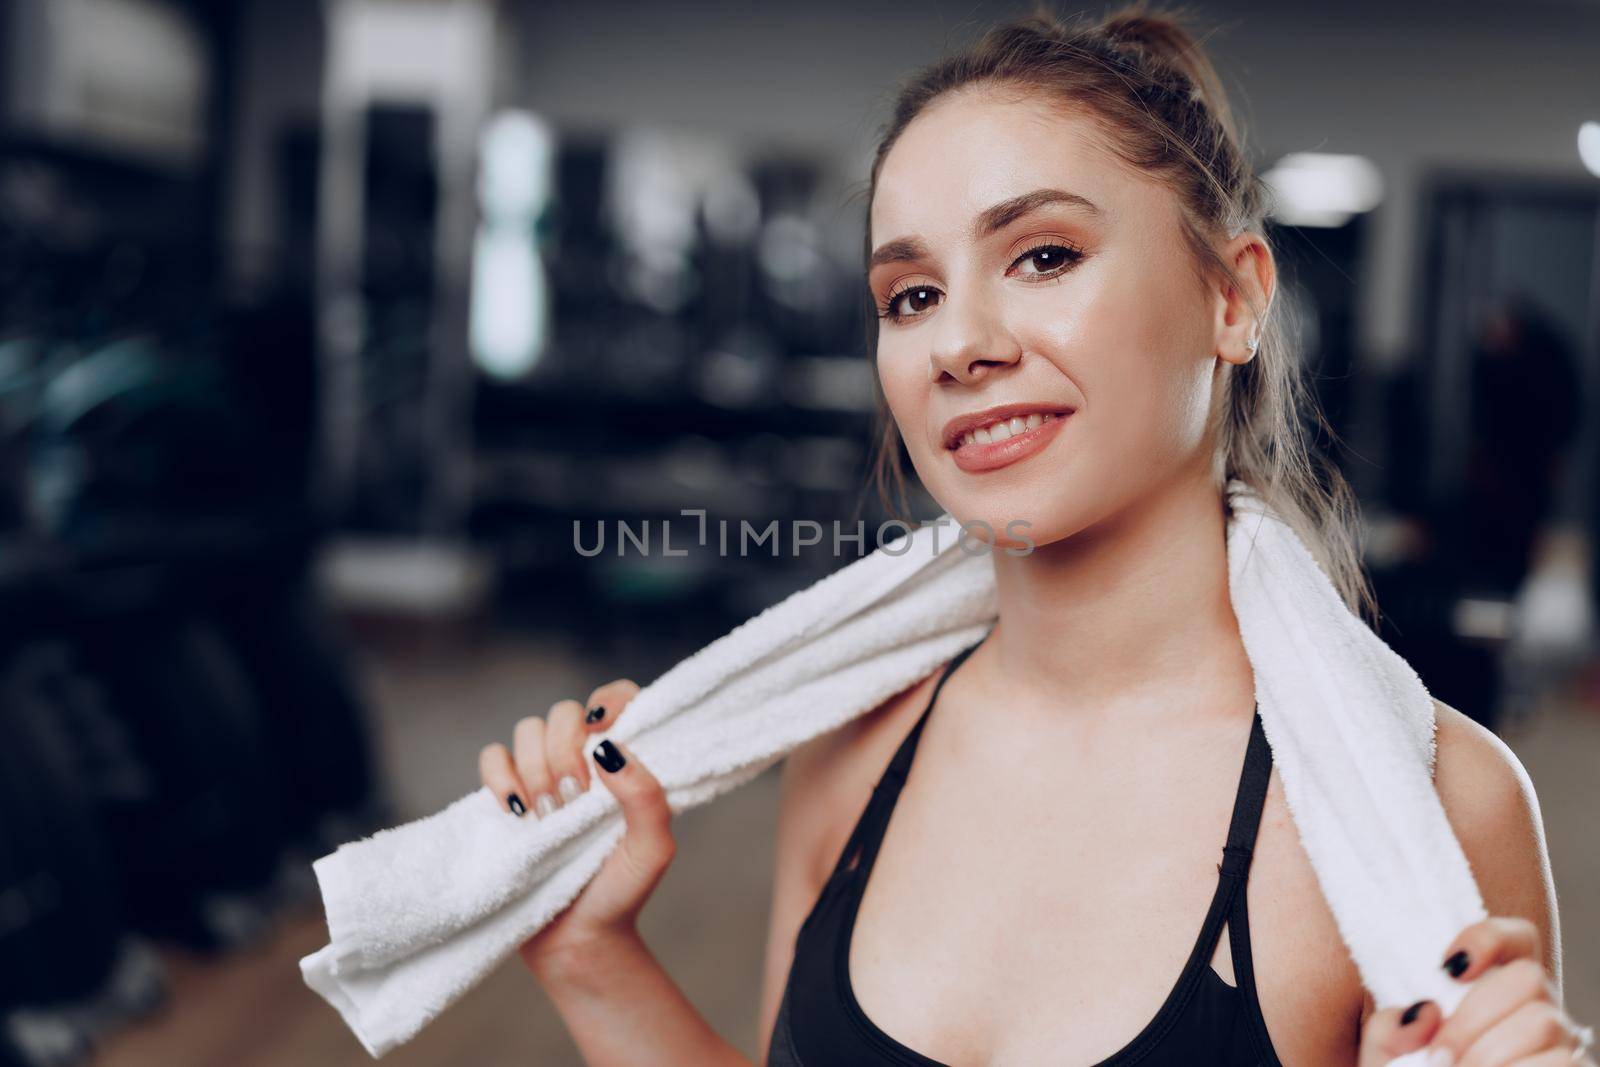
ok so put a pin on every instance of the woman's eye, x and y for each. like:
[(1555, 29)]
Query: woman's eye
[(909, 303), (1046, 260)]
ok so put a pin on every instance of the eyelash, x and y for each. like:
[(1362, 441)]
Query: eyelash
[(1073, 256)]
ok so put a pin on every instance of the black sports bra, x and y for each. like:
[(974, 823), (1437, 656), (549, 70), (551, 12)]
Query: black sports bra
[(1204, 1020)]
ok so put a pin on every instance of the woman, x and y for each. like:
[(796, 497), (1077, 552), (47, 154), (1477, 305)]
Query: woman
[(1067, 255)]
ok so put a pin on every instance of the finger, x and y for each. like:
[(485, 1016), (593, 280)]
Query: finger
[(1497, 939), (647, 843), (500, 775), (527, 740), (1536, 1026), (1395, 1031), (563, 749), (607, 702), (1501, 991)]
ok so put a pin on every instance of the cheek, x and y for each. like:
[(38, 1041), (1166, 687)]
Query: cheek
[(1136, 348), (903, 380), (1157, 395)]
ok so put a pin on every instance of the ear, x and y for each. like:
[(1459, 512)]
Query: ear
[(1236, 321)]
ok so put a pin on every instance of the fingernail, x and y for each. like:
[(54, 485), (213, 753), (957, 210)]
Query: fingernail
[(1409, 1016), (1457, 963), (569, 788), (544, 804), (1441, 1057), (514, 802), (606, 754), (596, 713)]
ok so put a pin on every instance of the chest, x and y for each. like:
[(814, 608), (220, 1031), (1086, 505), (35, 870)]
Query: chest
[(1045, 918)]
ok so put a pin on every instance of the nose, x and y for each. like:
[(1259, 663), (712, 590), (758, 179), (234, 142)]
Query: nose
[(969, 342)]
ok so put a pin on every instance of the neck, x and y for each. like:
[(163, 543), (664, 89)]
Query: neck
[(1127, 614)]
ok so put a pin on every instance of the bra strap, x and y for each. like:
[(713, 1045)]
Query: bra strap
[(1258, 767), (1251, 798), (900, 765), (887, 789)]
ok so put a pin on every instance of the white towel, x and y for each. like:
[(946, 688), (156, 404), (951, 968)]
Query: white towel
[(418, 914)]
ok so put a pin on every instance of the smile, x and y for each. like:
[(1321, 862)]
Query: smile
[(1006, 441), (1003, 429)]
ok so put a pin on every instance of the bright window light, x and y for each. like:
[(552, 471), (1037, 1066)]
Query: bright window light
[(510, 312)]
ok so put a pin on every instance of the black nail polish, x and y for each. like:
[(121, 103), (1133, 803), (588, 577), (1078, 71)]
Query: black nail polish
[(514, 802), (1457, 963), (596, 713), (1409, 1016), (606, 754)]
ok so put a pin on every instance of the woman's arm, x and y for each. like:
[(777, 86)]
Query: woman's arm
[(1515, 1011), (622, 1008), (1490, 802), (617, 1000), (1492, 807)]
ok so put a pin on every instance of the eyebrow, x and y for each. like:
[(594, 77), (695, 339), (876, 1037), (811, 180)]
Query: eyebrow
[(900, 250), (1008, 211), (905, 249)]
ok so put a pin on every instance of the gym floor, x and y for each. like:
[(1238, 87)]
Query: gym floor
[(437, 700)]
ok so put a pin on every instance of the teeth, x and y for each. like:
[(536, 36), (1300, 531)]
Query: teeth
[(1005, 428)]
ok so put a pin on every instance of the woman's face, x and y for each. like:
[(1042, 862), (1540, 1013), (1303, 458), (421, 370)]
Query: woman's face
[(1017, 263)]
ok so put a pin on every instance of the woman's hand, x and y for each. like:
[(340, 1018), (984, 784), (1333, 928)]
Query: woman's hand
[(544, 769), (1510, 1017)]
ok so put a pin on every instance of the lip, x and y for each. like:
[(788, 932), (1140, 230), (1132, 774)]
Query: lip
[(983, 457), (980, 457)]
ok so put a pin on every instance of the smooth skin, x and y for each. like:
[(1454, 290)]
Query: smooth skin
[(1110, 704)]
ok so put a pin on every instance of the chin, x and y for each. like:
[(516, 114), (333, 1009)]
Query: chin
[(1066, 507), (1024, 526), (1025, 507)]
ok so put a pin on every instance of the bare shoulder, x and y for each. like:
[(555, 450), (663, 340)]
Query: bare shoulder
[(1493, 809)]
